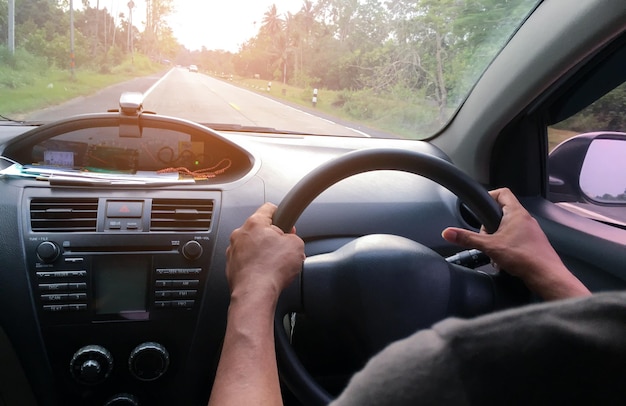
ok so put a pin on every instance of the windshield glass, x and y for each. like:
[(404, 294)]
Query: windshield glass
[(393, 68)]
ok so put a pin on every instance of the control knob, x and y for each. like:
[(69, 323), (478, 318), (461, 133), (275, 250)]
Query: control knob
[(122, 399), (192, 250), (148, 361), (48, 251), (91, 364)]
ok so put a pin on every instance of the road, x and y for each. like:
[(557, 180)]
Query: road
[(203, 99), (615, 214)]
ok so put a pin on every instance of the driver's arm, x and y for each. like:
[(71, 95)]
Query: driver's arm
[(261, 262), (521, 248)]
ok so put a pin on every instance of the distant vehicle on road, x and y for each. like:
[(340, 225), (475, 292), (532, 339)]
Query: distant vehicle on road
[(193, 68)]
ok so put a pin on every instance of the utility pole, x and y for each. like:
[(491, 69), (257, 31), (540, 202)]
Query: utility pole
[(131, 5), (72, 59), (95, 36), (149, 31), (11, 27)]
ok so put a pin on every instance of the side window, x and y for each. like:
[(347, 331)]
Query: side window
[(587, 160)]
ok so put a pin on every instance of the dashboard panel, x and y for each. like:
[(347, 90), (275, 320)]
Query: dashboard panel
[(119, 287)]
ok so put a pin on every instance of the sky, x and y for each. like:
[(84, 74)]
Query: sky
[(215, 24)]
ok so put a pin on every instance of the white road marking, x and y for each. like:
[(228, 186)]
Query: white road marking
[(158, 82), (360, 132)]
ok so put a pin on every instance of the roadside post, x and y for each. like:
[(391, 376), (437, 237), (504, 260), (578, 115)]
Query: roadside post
[(269, 86), (314, 99)]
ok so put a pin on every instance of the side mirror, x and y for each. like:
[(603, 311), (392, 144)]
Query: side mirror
[(589, 171)]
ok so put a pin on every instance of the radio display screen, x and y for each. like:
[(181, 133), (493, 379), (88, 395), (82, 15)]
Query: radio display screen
[(120, 284)]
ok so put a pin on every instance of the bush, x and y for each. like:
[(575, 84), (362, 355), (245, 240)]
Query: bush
[(341, 98), (19, 69)]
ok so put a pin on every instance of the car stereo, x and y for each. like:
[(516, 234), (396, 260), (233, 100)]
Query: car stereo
[(121, 269), (74, 283)]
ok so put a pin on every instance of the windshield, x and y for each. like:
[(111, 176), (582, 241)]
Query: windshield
[(374, 68)]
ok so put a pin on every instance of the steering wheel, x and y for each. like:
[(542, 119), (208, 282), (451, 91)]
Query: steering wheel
[(394, 285)]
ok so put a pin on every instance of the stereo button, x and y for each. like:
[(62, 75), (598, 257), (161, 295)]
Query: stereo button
[(48, 287), (46, 275), (77, 306), (77, 286), (77, 296), (161, 294), (185, 283), (178, 271), (54, 298), (56, 308), (163, 284), (183, 303), (161, 304), (184, 293)]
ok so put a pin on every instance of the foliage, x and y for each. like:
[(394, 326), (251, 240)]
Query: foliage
[(611, 198), (32, 84), (424, 52), (605, 114), (413, 60), (42, 27)]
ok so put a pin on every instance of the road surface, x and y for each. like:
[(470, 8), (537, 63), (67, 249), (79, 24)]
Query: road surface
[(203, 99)]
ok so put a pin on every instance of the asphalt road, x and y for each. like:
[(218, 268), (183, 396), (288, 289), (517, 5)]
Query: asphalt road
[(203, 99)]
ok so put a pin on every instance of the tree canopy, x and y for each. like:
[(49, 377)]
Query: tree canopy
[(42, 27), (413, 49)]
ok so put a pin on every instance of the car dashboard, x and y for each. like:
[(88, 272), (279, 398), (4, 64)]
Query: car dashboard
[(113, 237)]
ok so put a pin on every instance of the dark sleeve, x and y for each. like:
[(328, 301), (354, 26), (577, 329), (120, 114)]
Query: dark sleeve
[(565, 352)]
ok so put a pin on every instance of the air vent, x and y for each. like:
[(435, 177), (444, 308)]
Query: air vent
[(181, 215), (63, 215)]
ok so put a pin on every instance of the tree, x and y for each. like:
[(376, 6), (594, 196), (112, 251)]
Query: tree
[(272, 23), (4, 24), (157, 33)]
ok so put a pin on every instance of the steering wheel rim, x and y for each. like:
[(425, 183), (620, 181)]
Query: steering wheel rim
[(292, 371), (436, 169)]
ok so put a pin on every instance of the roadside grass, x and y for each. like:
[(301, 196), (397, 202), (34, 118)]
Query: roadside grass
[(414, 119), (556, 136), (27, 89)]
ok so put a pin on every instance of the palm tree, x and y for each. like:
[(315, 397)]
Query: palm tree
[(273, 26), (272, 23), (307, 18)]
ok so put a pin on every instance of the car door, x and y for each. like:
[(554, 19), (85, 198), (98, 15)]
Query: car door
[(583, 113)]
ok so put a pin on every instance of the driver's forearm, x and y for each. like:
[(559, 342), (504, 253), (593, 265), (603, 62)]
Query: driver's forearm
[(554, 281), (247, 373)]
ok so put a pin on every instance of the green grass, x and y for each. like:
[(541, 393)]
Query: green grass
[(556, 136), (415, 119), (25, 90)]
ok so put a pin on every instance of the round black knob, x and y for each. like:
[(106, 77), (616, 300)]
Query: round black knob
[(148, 361), (192, 250), (91, 364), (90, 370), (122, 399), (48, 251)]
